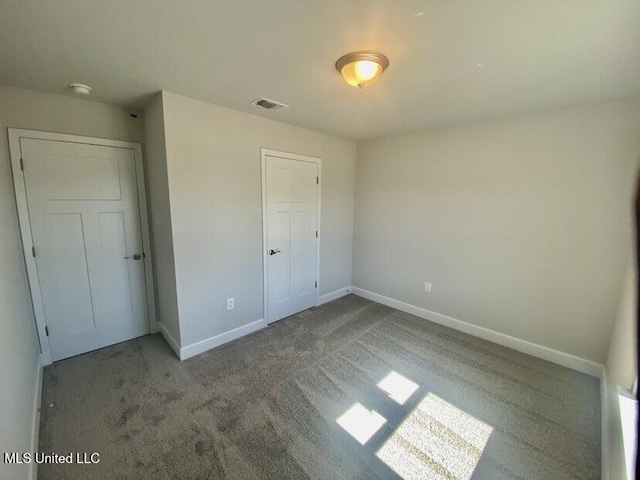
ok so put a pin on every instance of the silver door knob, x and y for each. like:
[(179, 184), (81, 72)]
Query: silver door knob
[(135, 256), (273, 252)]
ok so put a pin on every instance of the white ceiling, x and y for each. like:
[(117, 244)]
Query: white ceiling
[(451, 60)]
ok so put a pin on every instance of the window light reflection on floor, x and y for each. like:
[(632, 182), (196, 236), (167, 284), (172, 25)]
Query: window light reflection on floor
[(437, 440), (361, 423), (398, 387)]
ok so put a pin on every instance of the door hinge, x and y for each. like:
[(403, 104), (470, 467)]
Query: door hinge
[(316, 284), (316, 233), (22, 164), (46, 330), (33, 252), (317, 180)]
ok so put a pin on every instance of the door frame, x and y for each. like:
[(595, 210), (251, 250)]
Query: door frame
[(264, 153), (25, 222)]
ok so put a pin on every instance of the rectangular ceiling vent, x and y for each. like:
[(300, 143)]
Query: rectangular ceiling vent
[(270, 104)]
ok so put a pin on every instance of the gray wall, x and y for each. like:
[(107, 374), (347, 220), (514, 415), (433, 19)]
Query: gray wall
[(522, 224), (155, 156), (215, 188), (19, 349)]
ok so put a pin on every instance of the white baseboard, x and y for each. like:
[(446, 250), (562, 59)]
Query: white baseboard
[(329, 297), (35, 427), (212, 342), (175, 346), (545, 353)]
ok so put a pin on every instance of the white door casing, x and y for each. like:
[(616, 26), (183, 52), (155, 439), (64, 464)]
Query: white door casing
[(291, 230), (82, 210)]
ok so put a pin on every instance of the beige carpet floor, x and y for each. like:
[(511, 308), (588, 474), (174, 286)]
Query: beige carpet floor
[(351, 389)]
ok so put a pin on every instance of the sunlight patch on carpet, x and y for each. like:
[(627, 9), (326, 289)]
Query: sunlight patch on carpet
[(361, 423), (398, 387), (437, 440)]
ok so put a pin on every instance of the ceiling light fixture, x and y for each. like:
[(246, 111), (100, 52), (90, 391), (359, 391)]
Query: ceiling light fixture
[(80, 89), (360, 69)]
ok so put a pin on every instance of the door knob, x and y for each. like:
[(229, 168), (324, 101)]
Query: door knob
[(135, 256), (273, 252)]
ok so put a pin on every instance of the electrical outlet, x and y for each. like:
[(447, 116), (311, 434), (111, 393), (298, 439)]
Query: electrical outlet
[(231, 303), (427, 287)]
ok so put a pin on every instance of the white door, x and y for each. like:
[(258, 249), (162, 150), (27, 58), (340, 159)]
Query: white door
[(291, 235), (85, 223)]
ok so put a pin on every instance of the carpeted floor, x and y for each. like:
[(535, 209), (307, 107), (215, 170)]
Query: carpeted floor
[(352, 389)]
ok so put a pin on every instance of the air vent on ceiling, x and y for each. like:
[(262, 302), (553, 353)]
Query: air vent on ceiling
[(269, 104)]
